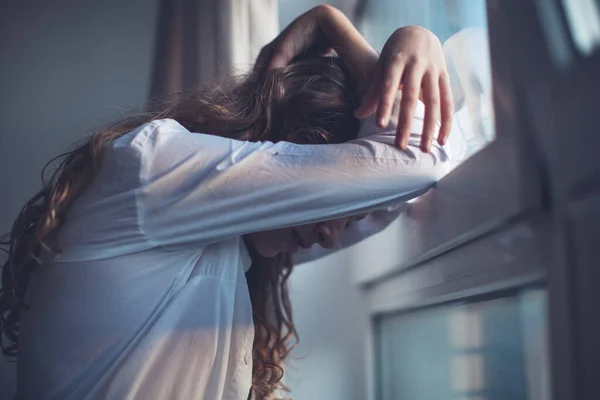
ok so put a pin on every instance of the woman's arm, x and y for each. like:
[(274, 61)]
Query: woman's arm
[(201, 189)]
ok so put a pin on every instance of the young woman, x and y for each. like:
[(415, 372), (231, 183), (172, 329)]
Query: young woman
[(154, 263)]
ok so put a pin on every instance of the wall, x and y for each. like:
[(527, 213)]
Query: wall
[(64, 66), (332, 360)]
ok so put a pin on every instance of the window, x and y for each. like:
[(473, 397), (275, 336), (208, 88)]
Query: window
[(583, 17), (453, 309), (473, 350), (456, 273)]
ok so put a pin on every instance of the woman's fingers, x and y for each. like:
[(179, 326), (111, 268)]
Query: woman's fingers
[(393, 72), (388, 89), (447, 108), (411, 86), (431, 97)]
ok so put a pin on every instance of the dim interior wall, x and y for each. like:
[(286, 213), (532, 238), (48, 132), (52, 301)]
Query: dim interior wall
[(333, 358), (65, 66)]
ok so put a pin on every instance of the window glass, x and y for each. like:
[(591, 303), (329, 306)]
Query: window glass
[(486, 350), (583, 17), (461, 26)]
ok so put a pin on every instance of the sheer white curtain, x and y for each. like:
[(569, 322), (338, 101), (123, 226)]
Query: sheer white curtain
[(467, 55)]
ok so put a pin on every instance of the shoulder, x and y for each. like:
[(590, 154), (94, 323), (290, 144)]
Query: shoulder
[(139, 137), (165, 147), (164, 135), (159, 129), (169, 134)]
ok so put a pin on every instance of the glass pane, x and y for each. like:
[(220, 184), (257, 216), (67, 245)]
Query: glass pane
[(583, 17), (488, 350), (461, 26)]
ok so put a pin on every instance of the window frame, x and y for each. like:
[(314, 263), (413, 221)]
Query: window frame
[(534, 220)]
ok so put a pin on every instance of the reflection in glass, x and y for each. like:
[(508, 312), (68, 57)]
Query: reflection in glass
[(583, 17), (487, 350)]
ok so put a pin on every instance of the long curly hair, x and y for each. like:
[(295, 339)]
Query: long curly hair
[(311, 101)]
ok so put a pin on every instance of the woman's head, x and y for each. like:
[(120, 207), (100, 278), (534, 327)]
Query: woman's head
[(290, 240), (309, 101)]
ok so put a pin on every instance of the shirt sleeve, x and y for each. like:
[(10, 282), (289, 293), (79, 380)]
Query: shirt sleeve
[(198, 188)]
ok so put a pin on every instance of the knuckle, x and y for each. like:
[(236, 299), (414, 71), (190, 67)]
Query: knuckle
[(396, 58), (434, 102), (419, 61), (388, 85), (447, 103), (324, 8), (410, 92), (448, 110)]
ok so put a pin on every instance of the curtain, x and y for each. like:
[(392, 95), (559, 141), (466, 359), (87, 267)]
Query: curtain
[(200, 40)]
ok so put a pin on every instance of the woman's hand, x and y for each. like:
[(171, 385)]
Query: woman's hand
[(412, 60)]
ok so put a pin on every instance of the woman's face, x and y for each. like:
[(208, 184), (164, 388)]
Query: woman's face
[(270, 243)]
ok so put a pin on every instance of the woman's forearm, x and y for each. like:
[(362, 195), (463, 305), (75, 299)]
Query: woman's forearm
[(351, 46)]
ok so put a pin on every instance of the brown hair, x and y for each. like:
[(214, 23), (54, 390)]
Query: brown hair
[(309, 101)]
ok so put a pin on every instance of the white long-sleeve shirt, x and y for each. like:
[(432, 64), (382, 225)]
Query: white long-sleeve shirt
[(149, 298)]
